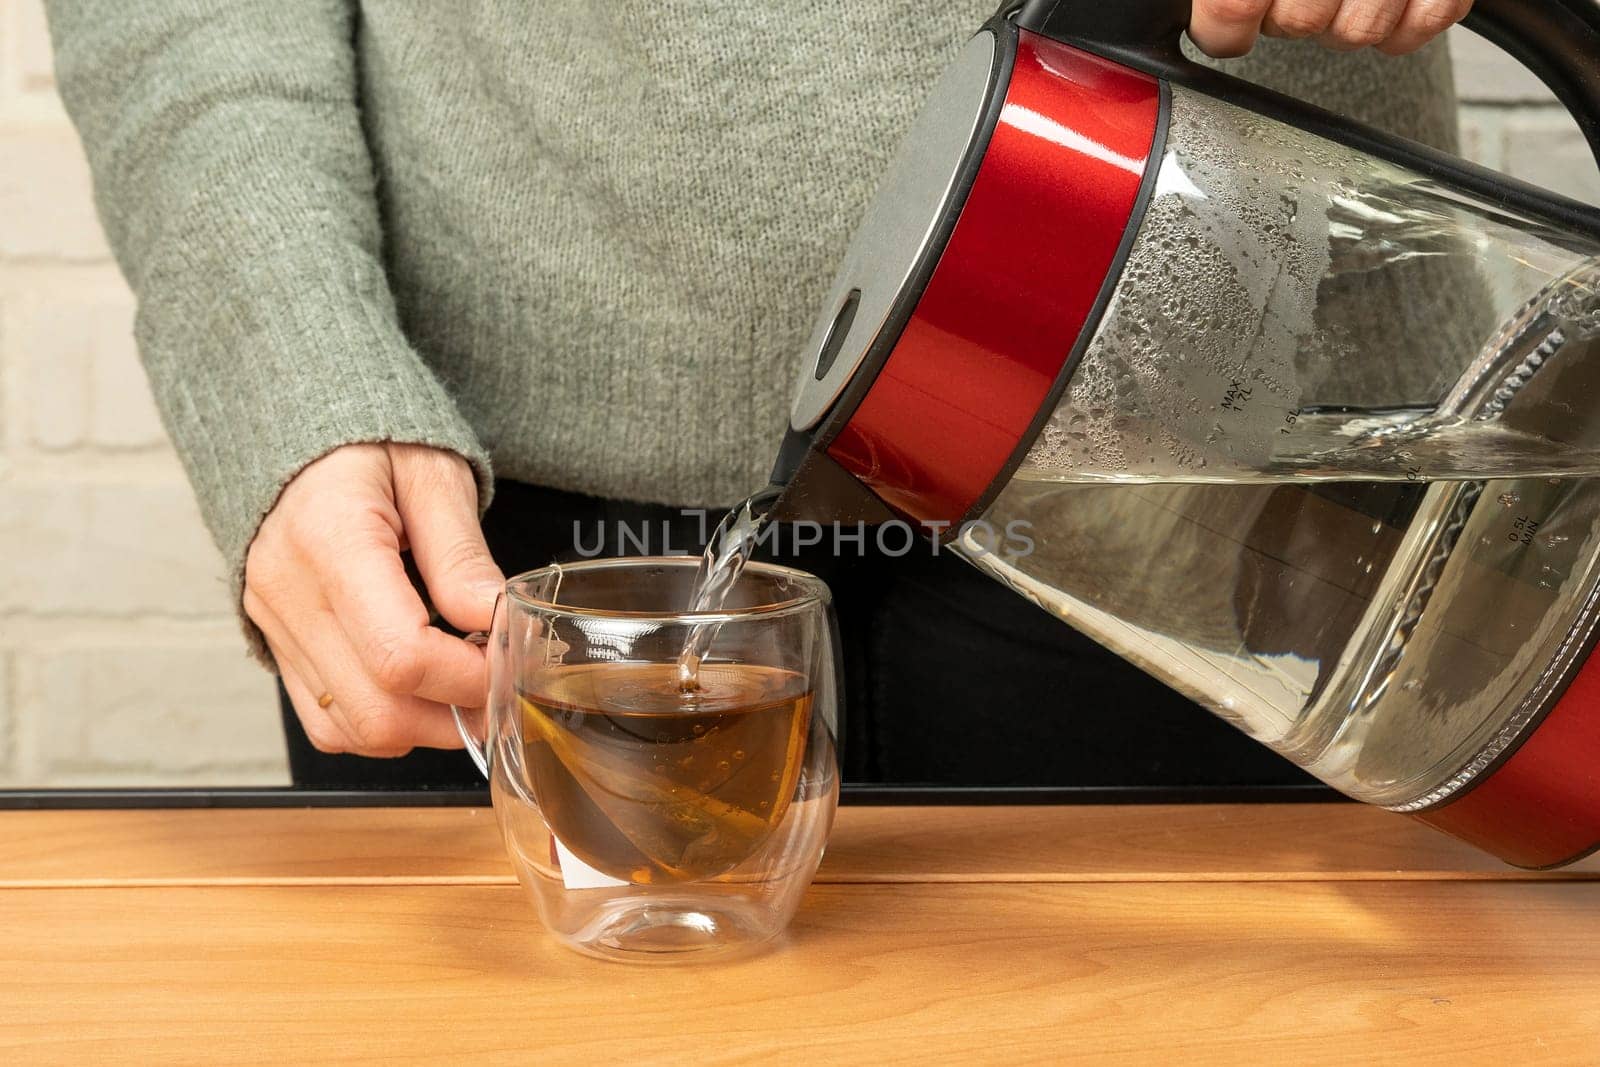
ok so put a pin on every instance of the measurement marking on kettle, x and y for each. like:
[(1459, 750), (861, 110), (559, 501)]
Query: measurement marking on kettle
[(1522, 530), (1238, 394)]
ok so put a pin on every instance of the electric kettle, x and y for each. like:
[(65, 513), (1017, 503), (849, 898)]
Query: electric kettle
[(1302, 419)]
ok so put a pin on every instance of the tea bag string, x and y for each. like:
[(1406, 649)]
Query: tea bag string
[(553, 645)]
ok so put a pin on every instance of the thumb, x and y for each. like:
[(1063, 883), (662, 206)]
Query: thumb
[(437, 498), (1224, 30)]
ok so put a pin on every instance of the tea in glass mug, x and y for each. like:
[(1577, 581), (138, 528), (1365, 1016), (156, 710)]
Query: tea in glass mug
[(651, 814)]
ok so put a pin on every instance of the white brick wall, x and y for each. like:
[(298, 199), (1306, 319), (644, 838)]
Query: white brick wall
[(161, 712), (119, 659), (1512, 123), (79, 380)]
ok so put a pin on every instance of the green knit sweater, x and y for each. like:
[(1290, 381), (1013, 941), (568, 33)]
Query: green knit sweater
[(581, 242)]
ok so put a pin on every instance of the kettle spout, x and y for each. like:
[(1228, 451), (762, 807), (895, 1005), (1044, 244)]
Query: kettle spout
[(811, 487)]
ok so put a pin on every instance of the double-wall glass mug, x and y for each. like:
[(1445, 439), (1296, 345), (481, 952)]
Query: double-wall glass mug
[(649, 813)]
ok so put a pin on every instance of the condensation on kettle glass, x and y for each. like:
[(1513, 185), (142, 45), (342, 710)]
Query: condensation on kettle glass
[(1316, 314), (1319, 313)]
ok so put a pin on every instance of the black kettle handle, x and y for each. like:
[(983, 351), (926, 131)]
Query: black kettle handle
[(1558, 40)]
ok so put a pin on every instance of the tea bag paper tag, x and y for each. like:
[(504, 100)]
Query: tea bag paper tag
[(576, 874)]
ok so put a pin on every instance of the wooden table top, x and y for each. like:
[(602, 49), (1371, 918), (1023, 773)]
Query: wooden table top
[(1218, 934)]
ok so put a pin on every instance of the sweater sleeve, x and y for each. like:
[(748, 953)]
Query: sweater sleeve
[(234, 183)]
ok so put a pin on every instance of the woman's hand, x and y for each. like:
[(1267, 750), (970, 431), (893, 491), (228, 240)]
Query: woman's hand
[(325, 583), (1224, 28)]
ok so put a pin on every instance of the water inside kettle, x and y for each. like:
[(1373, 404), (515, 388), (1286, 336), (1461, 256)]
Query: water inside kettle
[(1381, 634)]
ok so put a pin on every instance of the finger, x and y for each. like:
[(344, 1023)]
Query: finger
[(376, 722), (1362, 23), (1226, 28), (437, 498), (301, 681), (280, 641), (384, 620), (322, 731), (1422, 22), (1299, 18)]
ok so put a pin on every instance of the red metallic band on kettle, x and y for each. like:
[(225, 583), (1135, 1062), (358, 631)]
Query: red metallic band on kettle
[(1541, 807), (1014, 287)]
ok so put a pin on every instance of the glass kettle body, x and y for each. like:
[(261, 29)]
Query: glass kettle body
[(1301, 419)]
